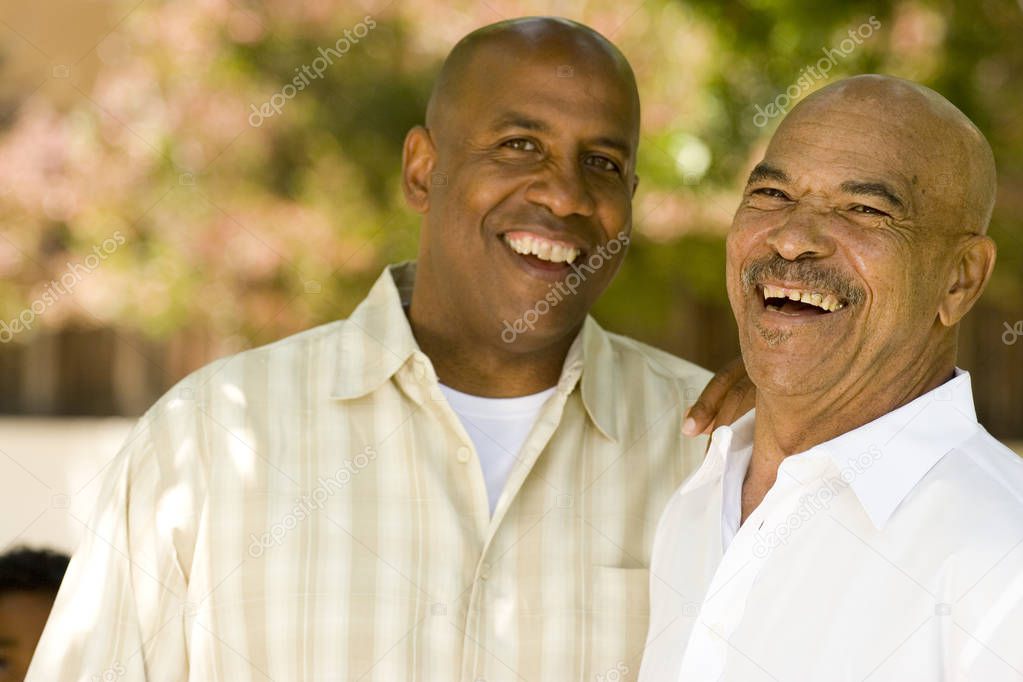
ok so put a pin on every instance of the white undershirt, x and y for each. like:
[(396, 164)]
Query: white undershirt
[(498, 428)]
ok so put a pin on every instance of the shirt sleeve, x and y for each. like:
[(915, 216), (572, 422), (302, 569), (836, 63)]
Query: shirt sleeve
[(119, 613)]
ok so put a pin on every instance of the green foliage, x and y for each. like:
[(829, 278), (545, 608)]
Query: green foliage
[(257, 231)]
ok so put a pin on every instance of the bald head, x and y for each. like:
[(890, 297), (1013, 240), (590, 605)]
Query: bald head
[(571, 49), (947, 161)]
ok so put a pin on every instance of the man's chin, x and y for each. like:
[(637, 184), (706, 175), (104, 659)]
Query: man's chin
[(537, 326), (787, 362), (787, 375)]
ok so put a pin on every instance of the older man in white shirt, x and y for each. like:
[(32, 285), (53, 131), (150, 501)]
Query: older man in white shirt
[(859, 524)]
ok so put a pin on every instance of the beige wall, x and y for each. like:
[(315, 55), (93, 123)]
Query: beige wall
[(51, 471)]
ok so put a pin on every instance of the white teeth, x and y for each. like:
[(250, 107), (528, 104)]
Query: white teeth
[(827, 302), (562, 254), (543, 249)]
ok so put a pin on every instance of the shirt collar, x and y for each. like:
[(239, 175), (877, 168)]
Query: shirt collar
[(726, 450), (592, 357), (729, 442), (883, 460), (377, 341)]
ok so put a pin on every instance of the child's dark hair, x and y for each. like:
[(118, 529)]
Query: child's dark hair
[(25, 569)]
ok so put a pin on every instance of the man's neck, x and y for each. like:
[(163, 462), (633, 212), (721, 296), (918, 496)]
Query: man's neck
[(786, 425), (479, 368)]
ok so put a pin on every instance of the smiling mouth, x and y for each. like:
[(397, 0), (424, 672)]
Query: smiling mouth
[(540, 250), (800, 302)]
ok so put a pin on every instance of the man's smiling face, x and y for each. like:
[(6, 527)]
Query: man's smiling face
[(841, 252), (545, 162), (532, 169)]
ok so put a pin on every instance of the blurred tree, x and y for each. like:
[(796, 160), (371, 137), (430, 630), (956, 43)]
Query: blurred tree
[(254, 226)]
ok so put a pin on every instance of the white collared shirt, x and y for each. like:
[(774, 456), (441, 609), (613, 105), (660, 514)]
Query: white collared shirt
[(891, 553)]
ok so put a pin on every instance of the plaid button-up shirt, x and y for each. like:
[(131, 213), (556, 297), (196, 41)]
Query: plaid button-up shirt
[(314, 510)]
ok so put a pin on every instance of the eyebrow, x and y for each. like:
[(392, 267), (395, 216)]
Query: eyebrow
[(519, 120), (765, 171), (880, 190)]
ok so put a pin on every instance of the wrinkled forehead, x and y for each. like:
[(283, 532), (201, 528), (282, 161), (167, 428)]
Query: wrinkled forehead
[(871, 140), (820, 142)]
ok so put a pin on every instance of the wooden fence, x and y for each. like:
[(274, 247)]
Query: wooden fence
[(103, 372)]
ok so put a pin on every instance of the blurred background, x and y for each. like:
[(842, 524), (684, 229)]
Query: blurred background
[(183, 180)]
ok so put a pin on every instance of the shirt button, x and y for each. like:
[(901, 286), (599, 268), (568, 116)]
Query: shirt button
[(463, 454), (484, 571)]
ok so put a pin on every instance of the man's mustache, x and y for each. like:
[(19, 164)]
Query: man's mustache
[(807, 273)]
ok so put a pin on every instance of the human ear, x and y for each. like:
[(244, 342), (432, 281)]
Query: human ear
[(418, 157), (966, 282)]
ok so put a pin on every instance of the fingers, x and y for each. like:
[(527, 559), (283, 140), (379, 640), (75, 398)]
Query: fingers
[(738, 402), (702, 415)]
